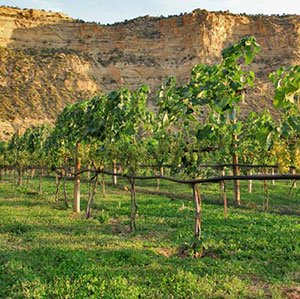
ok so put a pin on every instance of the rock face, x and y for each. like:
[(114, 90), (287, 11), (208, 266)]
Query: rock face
[(48, 60)]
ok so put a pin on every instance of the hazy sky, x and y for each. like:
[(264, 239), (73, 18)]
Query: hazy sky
[(110, 11)]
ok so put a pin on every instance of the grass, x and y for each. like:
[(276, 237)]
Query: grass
[(47, 251)]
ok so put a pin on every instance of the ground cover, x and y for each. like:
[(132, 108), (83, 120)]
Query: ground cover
[(47, 251)]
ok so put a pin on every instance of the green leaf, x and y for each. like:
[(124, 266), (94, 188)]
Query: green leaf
[(249, 56), (192, 118), (279, 97), (285, 129)]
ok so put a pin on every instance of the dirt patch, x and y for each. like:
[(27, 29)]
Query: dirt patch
[(259, 285), (32, 193), (293, 292), (185, 252), (74, 215), (165, 252), (117, 192), (118, 229), (269, 290)]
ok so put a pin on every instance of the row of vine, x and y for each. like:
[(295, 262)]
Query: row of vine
[(197, 122)]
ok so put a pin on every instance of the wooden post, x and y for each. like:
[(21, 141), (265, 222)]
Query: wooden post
[(32, 173), (20, 177), (157, 180), (115, 181), (76, 206), (250, 182), (161, 171), (198, 211), (294, 182), (272, 172)]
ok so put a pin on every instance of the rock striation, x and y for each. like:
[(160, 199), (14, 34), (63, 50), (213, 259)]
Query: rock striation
[(48, 60)]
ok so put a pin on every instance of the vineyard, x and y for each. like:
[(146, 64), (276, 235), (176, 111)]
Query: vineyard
[(195, 139)]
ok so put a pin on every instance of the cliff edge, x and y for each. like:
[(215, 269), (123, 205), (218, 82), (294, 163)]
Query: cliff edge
[(48, 60)]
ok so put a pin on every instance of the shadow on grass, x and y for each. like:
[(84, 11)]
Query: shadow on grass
[(23, 203), (277, 204), (54, 268)]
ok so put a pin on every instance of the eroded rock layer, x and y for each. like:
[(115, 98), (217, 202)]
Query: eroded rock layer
[(48, 60)]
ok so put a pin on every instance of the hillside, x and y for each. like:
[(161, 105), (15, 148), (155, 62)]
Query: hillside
[(49, 59)]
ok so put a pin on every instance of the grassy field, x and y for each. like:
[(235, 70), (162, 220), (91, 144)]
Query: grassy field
[(47, 251)]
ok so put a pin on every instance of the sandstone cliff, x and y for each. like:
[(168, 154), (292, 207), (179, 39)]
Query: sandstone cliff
[(48, 59)]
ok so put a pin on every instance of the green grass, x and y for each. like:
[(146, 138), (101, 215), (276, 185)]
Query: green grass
[(47, 251)]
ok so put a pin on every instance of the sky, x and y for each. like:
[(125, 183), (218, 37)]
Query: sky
[(110, 11)]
